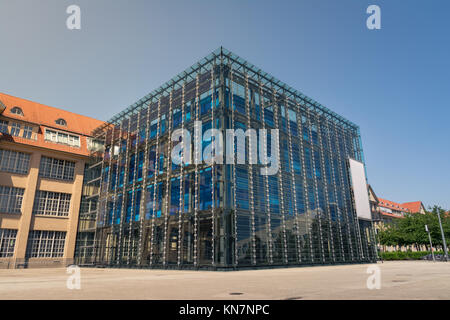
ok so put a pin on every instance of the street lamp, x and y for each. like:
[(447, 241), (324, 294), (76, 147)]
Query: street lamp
[(431, 244), (443, 237)]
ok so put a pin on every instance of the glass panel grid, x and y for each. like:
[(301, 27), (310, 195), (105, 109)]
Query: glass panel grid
[(13, 161), (56, 169), (51, 203), (11, 199), (7, 242), (45, 244)]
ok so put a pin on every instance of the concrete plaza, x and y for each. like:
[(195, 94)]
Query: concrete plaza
[(399, 280)]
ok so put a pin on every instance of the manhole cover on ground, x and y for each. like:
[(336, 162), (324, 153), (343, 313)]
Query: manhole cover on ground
[(236, 293), (294, 298)]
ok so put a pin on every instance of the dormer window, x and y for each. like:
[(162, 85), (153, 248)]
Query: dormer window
[(17, 110), (61, 122)]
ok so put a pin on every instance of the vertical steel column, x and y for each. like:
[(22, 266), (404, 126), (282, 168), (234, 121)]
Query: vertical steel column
[(280, 174), (168, 174), (266, 178), (344, 197), (144, 186), (213, 173), (233, 183), (305, 185), (250, 172), (325, 186), (333, 177), (181, 203), (316, 189), (196, 177), (124, 188), (98, 201), (133, 187), (116, 186), (222, 221), (294, 193), (155, 182)]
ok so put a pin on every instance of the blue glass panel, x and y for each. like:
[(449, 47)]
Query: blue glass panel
[(140, 165), (137, 204), (239, 104), (131, 170), (149, 202), (242, 199), (151, 162), (118, 209), (205, 104), (128, 206), (174, 196), (268, 116), (205, 201)]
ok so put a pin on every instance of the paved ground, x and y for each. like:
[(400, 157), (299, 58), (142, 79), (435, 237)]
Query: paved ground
[(399, 280)]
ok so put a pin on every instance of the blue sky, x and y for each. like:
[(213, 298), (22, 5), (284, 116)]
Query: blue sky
[(394, 82)]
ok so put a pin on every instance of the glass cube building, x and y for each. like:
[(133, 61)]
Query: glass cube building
[(140, 209)]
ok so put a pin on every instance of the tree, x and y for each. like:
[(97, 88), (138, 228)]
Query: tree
[(411, 229)]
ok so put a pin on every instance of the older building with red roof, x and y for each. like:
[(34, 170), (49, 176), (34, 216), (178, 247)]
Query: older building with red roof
[(34, 124), (387, 211), (43, 152), (415, 207)]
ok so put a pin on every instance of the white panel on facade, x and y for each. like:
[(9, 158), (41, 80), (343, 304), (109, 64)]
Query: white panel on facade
[(360, 193)]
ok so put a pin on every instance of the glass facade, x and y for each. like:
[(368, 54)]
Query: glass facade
[(45, 244), (150, 212)]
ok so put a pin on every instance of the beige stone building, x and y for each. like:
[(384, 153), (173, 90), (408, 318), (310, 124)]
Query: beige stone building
[(43, 151)]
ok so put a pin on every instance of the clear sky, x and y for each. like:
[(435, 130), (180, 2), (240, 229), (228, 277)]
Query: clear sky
[(394, 82)]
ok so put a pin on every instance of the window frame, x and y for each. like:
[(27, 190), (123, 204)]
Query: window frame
[(61, 122), (4, 126), (63, 138), (14, 161), (16, 108), (15, 129), (57, 169), (27, 132)]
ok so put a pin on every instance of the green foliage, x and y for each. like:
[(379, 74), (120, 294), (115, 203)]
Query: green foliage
[(411, 230), (408, 255)]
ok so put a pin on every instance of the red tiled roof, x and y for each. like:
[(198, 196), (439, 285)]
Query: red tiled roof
[(392, 205), (413, 206), (44, 115)]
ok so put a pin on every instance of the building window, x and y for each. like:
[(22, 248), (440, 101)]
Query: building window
[(13, 161), (62, 138), (17, 110), (74, 141), (51, 203), (4, 126), (7, 242), (61, 122), (15, 129), (11, 199), (56, 169), (45, 244), (27, 132)]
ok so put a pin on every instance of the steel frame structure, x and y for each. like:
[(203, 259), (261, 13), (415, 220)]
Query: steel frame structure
[(137, 214)]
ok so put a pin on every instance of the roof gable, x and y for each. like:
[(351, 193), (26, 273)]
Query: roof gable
[(413, 206)]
